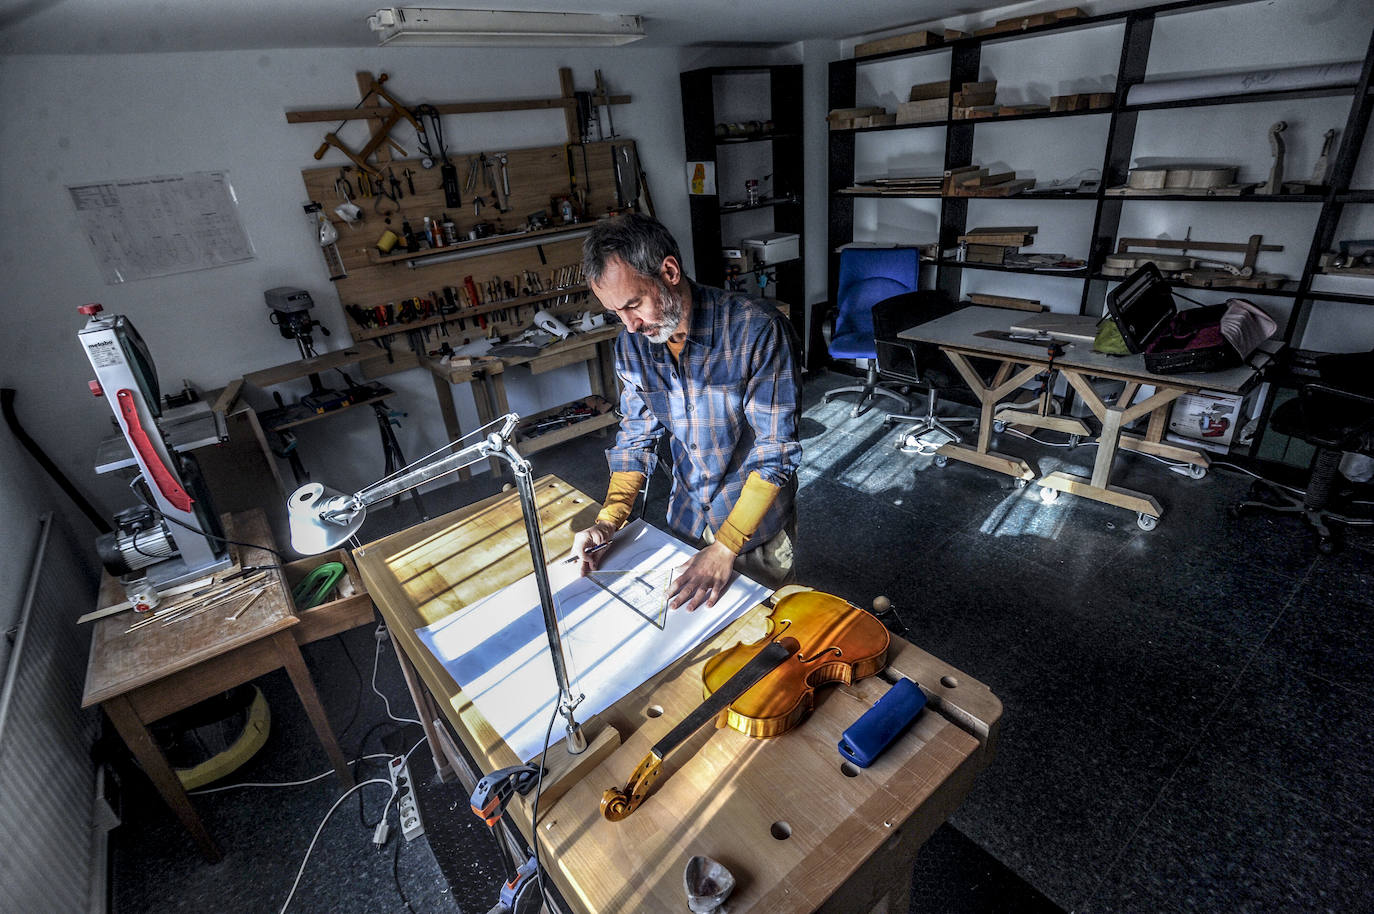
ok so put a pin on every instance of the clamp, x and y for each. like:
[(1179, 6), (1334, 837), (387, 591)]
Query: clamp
[(494, 791), (516, 890)]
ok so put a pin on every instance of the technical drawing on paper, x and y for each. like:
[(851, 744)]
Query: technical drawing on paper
[(497, 651), (643, 591)]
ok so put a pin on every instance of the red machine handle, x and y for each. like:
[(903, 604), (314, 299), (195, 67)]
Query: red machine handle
[(166, 482)]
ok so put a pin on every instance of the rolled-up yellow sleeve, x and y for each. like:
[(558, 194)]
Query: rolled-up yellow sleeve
[(620, 497), (754, 501)]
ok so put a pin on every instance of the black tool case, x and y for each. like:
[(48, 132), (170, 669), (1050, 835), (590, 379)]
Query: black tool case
[(1173, 341)]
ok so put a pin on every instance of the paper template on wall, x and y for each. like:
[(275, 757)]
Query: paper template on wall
[(149, 227), (701, 178), (496, 649)]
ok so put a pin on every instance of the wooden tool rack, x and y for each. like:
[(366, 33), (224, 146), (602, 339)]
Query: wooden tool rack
[(538, 176), (585, 172)]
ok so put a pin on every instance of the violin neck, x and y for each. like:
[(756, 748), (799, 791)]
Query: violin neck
[(767, 660)]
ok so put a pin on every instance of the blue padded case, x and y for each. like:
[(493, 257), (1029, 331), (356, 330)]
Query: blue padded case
[(868, 736)]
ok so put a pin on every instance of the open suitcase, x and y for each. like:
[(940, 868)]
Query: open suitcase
[(1173, 341)]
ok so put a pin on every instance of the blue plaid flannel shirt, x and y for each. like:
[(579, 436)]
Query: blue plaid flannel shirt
[(729, 405)]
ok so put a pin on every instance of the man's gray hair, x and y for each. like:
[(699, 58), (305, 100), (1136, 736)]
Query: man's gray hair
[(642, 242)]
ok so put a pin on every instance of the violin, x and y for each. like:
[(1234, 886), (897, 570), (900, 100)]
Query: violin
[(766, 688)]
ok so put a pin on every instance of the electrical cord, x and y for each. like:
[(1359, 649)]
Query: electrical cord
[(376, 659), (319, 777), (534, 813), (139, 495), (396, 876), (320, 828), (358, 696), (314, 840)]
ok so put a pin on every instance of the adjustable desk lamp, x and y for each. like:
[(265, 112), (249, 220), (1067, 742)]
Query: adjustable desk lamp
[(322, 518)]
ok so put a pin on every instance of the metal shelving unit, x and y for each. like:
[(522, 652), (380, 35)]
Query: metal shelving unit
[(702, 145)]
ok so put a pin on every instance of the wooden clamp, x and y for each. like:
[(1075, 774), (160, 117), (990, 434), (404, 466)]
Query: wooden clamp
[(380, 135)]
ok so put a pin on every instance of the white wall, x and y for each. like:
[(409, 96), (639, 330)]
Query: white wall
[(73, 120)]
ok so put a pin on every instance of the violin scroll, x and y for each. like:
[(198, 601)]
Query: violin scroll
[(619, 802)]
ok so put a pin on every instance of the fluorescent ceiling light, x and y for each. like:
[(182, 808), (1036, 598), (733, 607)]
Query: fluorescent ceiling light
[(420, 25)]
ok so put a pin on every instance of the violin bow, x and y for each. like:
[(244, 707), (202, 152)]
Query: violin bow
[(619, 802)]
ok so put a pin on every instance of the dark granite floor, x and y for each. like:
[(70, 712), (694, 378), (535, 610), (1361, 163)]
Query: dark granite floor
[(1185, 726)]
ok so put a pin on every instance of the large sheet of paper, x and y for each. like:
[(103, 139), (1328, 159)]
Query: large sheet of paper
[(497, 651), (150, 227)]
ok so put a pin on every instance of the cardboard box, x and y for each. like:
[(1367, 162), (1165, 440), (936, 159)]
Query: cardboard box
[(1210, 417), (774, 247)]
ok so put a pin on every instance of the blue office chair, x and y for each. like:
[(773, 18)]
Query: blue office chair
[(867, 276)]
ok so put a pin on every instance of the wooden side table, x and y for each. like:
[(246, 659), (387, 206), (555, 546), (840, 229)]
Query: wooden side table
[(140, 676)]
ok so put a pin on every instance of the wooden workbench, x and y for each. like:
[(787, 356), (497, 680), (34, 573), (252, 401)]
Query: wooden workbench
[(801, 830), (141, 676), (958, 335), (487, 377)]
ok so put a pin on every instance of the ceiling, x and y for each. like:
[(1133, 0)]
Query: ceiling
[(139, 26)]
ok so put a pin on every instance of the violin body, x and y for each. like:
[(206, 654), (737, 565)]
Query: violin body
[(766, 688), (838, 643)]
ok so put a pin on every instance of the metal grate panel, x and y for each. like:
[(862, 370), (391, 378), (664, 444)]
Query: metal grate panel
[(47, 777)]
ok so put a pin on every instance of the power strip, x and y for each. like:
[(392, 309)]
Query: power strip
[(411, 826)]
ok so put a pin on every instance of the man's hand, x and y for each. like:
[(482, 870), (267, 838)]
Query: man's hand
[(598, 534), (703, 578)]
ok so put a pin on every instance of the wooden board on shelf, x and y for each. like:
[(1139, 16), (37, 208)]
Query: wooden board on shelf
[(1015, 235), (1006, 301), (918, 39), (1006, 189), (1021, 23)]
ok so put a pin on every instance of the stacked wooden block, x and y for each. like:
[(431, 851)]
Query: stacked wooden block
[(926, 102), (977, 99), (852, 118), (977, 181), (993, 244)]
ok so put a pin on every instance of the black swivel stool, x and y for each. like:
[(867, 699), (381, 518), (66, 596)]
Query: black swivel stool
[(1334, 412)]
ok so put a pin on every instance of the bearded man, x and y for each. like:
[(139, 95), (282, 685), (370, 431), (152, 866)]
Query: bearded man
[(717, 373)]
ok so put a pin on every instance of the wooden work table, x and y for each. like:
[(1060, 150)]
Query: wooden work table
[(800, 829), (143, 675), (958, 335), (487, 377)]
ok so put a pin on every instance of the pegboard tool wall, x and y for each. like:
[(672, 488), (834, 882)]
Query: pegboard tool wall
[(537, 176)]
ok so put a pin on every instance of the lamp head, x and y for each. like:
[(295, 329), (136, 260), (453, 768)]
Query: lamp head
[(321, 518)]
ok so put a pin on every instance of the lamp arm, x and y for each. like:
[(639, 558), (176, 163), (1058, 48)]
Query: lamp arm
[(499, 444), (433, 466)]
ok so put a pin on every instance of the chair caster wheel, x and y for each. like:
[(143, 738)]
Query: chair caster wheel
[(1049, 496), (999, 426), (1019, 482), (1146, 522), (1235, 512), (1328, 545), (941, 460), (1197, 472)]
